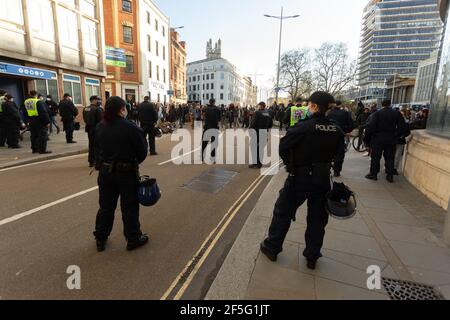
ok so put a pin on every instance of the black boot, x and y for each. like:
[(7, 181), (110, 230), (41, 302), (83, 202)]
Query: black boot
[(390, 178), (139, 242), (270, 255), (311, 263), (101, 245), (372, 177)]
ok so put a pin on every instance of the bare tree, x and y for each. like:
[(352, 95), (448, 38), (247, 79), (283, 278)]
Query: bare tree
[(333, 68), (294, 70)]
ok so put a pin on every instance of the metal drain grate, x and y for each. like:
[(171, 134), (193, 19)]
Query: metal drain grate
[(405, 290)]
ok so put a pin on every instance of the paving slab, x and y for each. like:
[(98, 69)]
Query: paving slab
[(332, 290), (411, 234)]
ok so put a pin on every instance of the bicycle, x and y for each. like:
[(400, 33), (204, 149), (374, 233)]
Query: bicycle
[(358, 143)]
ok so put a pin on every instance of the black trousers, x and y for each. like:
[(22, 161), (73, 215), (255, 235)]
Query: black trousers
[(213, 140), (39, 135), (149, 130), (338, 161), (92, 150), (382, 149), (111, 186), (12, 134), (69, 128), (295, 192), (261, 142), (2, 134)]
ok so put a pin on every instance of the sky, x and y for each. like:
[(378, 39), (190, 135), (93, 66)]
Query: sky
[(250, 40)]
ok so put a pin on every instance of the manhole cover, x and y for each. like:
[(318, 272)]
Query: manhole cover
[(212, 181), (406, 290)]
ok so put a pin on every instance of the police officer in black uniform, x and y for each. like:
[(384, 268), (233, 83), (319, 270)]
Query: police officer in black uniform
[(383, 130), (92, 116), (2, 123), (262, 121), (12, 121), (344, 120), (148, 117), (212, 115), (36, 115), (121, 148), (307, 150), (68, 113)]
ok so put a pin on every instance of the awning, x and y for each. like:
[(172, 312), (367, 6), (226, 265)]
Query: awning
[(28, 72)]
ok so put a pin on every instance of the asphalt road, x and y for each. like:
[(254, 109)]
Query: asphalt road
[(40, 239)]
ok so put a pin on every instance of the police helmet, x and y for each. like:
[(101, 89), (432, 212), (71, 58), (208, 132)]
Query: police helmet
[(158, 133), (340, 202), (149, 192)]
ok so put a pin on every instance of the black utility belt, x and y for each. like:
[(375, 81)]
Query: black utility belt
[(119, 167)]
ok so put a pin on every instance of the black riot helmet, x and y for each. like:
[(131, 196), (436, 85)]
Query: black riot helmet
[(340, 202)]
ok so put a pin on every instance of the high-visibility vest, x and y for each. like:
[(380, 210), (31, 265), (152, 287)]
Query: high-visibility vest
[(297, 114), (2, 99), (31, 107)]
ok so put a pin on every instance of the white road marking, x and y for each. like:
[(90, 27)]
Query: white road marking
[(44, 161), (45, 206)]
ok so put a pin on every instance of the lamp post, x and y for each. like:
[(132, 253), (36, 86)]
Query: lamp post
[(281, 18)]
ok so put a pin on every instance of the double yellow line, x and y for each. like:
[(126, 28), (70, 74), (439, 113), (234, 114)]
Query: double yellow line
[(184, 279)]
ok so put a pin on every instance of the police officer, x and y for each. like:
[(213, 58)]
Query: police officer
[(37, 116), (261, 122), (383, 129), (148, 118), (308, 150), (344, 120), (92, 116), (121, 148), (12, 121), (296, 113), (2, 124), (68, 113), (212, 116)]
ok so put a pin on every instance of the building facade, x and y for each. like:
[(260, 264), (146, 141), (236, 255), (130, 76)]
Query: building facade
[(396, 36), (155, 52), (217, 78), (425, 80), (178, 68), (52, 46), (427, 163)]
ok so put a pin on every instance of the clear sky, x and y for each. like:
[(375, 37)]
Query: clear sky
[(250, 40)]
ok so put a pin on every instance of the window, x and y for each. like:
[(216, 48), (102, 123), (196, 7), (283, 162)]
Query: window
[(149, 18), (150, 71), (149, 43), (164, 31), (45, 87), (127, 34), (157, 49), (207, 77), (87, 7), (164, 75), (42, 25), (157, 73), (68, 28), (130, 64), (212, 76), (221, 86), (207, 86), (221, 96), (164, 53), (156, 25), (11, 11), (72, 86), (89, 29), (127, 6), (212, 86), (92, 88)]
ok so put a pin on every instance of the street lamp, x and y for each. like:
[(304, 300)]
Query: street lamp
[(281, 18), (182, 27)]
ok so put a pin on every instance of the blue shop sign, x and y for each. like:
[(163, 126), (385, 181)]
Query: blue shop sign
[(23, 71)]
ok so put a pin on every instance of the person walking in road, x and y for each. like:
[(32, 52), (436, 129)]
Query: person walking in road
[(53, 109), (382, 132), (307, 150), (212, 119), (92, 116), (12, 122), (68, 113), (121, 149), (261, 123), (344, 120), (148, 117), (37, 116)]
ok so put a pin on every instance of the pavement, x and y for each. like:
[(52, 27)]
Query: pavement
[(396, 229), (57, 144)]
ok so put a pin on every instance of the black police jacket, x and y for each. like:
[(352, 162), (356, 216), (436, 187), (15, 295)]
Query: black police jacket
[(121, 141), (342, 118), (315, 140), (262, 120), (43, 117), (212, 117), (147, 114), (385, 126), (67, 110), (92, 117), (11, 116)]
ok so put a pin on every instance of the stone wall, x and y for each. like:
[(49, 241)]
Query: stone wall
[(427, 166)]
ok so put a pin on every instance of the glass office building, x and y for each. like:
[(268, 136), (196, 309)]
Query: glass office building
[(396, 35)]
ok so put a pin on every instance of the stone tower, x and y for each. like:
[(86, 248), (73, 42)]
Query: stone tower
[(215, 53)]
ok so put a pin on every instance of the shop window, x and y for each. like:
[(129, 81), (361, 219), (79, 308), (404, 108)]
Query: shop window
[(48, 87), (72, 86)]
